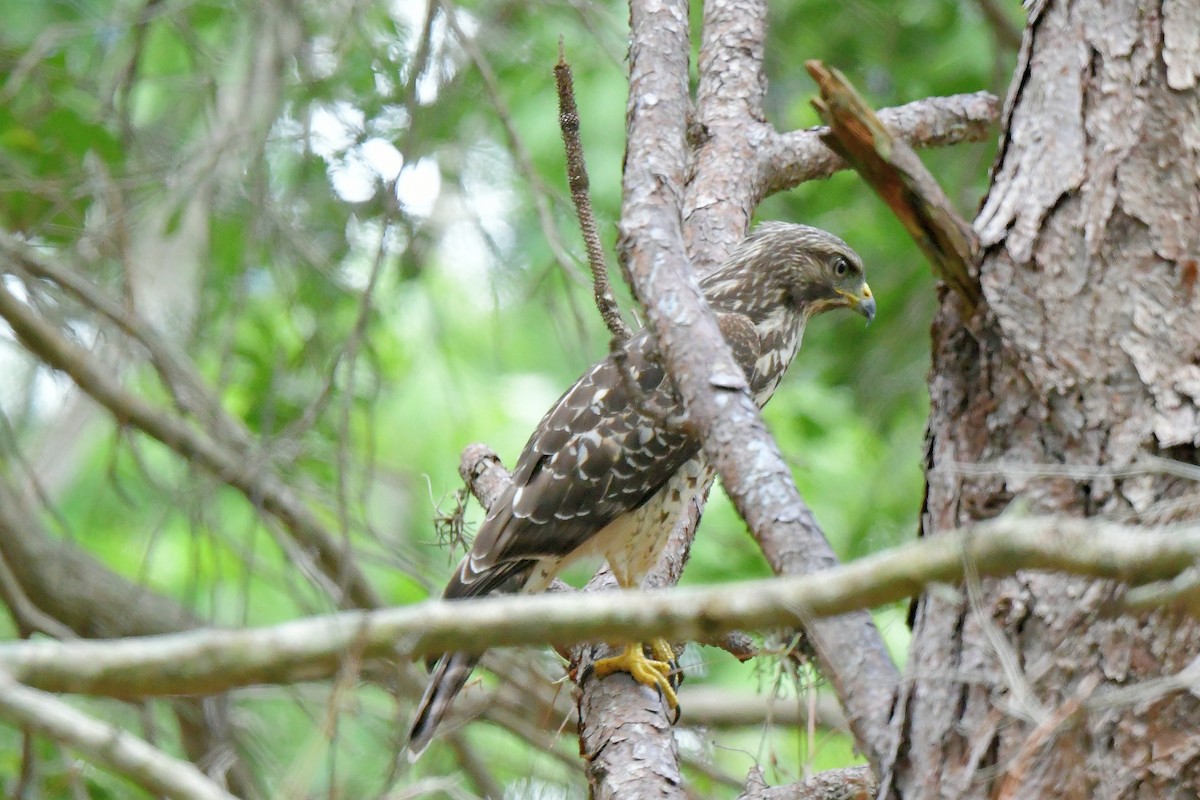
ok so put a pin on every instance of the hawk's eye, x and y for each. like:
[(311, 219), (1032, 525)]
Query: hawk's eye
[(840, 267)]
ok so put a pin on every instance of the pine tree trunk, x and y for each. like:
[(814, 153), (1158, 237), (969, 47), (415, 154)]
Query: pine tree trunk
[(1084, 358)]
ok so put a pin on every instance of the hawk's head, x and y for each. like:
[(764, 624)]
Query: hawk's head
[(796, 268)]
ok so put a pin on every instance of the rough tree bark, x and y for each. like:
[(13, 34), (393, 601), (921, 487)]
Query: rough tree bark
[(1085, 352)]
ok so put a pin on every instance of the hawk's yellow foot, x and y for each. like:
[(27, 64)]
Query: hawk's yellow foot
[(646, 671)]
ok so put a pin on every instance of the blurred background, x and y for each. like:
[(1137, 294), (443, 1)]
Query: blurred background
[(352, 218)]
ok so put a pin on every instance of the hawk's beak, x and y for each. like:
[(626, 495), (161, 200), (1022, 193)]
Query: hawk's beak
[(863, 302)]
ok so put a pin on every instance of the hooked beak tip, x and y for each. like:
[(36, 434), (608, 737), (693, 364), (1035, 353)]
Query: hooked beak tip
[(866, 307), (864, 302)]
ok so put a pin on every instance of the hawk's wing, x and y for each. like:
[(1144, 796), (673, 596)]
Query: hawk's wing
[(602, 450)]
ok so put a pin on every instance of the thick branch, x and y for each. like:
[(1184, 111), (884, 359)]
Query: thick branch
[(635, 751), (260, 487), (105, 745), (74, 588), (208, 661), (728, 131), (734, 166), (851, 783), (754, 473)]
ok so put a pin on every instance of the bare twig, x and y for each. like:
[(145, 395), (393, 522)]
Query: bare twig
[(176, 371), (105, 745), (208, 661), (577, 179)]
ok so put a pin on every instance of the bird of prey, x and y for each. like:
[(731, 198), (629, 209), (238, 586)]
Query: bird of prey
[(610, 467)]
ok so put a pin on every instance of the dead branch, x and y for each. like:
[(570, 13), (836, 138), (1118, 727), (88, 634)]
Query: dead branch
[(790, 159), (897, 175)]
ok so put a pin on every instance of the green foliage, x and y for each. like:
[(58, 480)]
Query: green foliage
[(372, 169)]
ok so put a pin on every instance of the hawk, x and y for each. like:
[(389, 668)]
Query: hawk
[(610, 467)]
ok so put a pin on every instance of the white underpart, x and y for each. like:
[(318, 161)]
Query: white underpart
[(633, 542)]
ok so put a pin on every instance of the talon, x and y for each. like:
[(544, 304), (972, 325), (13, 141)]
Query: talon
[(645, 671), (663, 651)]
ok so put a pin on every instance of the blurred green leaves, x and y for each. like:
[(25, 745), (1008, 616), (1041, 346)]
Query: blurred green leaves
[(110, 112)]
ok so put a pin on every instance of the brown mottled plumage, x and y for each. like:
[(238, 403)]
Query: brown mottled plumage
[(606, 473)]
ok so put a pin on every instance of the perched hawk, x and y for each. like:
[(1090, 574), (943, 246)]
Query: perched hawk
[(609, 468)]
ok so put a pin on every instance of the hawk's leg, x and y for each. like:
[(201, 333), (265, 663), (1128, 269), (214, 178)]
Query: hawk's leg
[(646, 671)]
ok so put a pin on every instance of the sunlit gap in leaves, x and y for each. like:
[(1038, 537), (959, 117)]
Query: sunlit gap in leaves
[(478, 240)]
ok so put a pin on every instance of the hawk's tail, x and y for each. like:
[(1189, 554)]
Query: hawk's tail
[(449, 675)]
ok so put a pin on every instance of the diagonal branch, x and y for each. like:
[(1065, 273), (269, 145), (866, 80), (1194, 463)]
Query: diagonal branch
[(259, 486), (755, 475), (104, 744), (176, 371)]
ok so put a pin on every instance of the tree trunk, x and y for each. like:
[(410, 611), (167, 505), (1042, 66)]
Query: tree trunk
[(1084, 357)]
